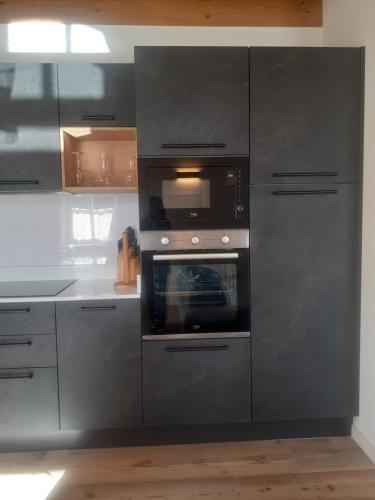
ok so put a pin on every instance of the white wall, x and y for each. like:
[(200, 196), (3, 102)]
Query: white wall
[(39, 229), (352, 23), (120, 40)]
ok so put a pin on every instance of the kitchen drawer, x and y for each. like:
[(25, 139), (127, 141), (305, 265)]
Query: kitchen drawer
[(32, 318), (188, 382), (27, 351), (28, 401)]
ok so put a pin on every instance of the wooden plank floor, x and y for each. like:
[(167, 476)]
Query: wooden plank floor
[(299, 469)]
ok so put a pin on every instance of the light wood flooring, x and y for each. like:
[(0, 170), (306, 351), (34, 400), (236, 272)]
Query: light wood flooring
[(297, 469)]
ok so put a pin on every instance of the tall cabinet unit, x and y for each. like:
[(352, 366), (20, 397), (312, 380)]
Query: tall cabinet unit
[(305, 136)]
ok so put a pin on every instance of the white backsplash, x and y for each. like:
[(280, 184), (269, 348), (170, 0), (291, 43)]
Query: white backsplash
[(63, 229)]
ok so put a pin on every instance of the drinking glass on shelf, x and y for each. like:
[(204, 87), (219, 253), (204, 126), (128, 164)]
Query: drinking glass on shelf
[(105, 171), (78, 167), (131, 172)]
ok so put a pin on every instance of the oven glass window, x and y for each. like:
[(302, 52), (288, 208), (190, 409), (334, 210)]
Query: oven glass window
[(194, 294), (186, 192)]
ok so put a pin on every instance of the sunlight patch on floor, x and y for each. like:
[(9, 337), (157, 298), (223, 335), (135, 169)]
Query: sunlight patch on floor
[(29, 486)]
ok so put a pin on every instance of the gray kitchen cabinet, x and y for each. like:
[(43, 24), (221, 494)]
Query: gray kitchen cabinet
[(99, 358), (188, 382), (29, 128), (96, 95), (28, 350), (305, 259), (192, 101), (305, 114), (27, 318), (28, 401)]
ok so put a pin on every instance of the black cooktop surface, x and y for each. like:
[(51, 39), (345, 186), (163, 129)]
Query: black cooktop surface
[(47, 288)]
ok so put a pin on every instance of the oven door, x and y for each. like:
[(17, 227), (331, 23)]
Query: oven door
[(193, 193), (195, 293)]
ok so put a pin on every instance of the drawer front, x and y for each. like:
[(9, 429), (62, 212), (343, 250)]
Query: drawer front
[(29, 318), (28, 401), (24, 351), (196, 382)]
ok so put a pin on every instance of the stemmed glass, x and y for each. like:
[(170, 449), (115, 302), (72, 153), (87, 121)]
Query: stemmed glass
[(131, 173), (78, 167), (105, 174)]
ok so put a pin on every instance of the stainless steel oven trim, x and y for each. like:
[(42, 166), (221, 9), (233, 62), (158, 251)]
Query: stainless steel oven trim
[(182, 240), (192, 336), (195, 256)]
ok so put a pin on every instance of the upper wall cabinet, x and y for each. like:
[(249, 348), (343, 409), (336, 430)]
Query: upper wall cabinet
[(29, 128), (96, 95), (305, 109), (192, 101)]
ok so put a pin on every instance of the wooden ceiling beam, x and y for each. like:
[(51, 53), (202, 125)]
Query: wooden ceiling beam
[(282, 13)]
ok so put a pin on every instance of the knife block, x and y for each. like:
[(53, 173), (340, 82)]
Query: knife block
[(127, 267)]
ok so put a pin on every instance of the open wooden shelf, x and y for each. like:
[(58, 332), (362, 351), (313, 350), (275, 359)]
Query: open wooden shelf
[(99, 159)]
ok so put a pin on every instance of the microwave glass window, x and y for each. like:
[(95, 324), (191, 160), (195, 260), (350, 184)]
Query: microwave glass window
[(186, 192), (194, 294)]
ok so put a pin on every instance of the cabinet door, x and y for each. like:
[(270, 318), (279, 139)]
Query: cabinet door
[(28, 401), (187, 382), (305, 114), (97, 95), (99, 356), (304, 257), (192, 101), (29, 128)]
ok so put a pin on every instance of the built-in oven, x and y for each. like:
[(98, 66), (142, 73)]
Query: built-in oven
[(195, 284), (188, 193)]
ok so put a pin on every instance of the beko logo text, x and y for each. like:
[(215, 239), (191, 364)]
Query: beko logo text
[(193, 214)]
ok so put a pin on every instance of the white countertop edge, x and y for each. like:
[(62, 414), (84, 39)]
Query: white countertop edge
[(114, 296), (93, 289)]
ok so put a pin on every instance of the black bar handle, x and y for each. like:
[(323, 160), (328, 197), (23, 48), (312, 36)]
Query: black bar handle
[(191, 145), (103, 118), (304, 174), (98, 308), (16, 376), (305, 192), (10, 343), (10, 311), (16, 183), (197, 348)]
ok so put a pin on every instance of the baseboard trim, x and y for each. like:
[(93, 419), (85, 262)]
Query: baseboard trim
[(152, 436), (363, 443)]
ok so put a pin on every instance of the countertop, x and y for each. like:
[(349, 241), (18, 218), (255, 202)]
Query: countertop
[(90, 285)]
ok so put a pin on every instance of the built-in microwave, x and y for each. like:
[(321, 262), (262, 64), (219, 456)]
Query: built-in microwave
[(193, 193), (195, 284)]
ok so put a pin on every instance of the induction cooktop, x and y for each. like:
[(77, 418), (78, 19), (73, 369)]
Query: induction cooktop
[(47, 288)]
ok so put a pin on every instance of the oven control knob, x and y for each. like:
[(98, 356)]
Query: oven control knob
[(240, 208), (225, 239), (195, 240), (164, 240)]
